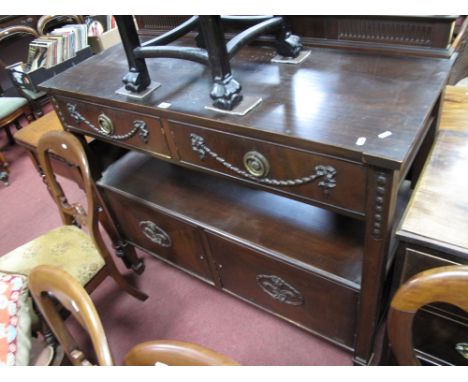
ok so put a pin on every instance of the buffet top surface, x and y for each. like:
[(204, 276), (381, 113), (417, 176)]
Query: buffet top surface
[(328, 103)]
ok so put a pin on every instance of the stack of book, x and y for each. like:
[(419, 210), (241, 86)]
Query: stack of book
[(59, 45)]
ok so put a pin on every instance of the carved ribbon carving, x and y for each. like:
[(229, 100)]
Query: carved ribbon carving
[(155, 233), (280, 290), (326, 173)]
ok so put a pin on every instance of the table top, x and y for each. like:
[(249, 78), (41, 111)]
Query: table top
[(324, 104), (437, 214), (31, 134), (455, 109)]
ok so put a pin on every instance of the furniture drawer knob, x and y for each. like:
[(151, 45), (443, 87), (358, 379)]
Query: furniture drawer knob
[(258, 167), (105, 124), (462, 348), (256, 164), (155, 233), (106, 127), (279, 289)]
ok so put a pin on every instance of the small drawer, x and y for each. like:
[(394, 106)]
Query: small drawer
[(121, 127), (161, 235), (309, 300), (417, 261), (441, 337), (284, 169)]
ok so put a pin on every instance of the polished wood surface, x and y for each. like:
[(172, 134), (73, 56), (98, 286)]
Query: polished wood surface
[(316, 110), (432, 235), (438, 211), (48, 284), (445, 284), (326, 103), (175, 353), (317, 239), (30, 136), (455, 109)]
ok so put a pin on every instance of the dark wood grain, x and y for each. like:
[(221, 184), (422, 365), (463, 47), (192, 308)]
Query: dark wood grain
[(312, 111), (325, 104), (327, 308), (317, 240)]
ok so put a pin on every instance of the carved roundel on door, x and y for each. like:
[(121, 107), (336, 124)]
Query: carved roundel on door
[(279, 289), (155, 233)]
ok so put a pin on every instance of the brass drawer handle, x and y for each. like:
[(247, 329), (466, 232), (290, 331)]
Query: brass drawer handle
[(462, 349), (256, 164), (280, 290), (106, 127), (155, 233), (258, 167)]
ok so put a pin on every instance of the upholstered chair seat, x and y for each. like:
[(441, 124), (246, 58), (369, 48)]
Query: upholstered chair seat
[(8, 105), (66, 247)]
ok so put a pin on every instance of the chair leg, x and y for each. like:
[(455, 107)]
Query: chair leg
[(11, 140), (4, 177), (124, 284), (18, 124)]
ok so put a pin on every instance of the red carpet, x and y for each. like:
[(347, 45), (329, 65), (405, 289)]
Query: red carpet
[(179, 307)]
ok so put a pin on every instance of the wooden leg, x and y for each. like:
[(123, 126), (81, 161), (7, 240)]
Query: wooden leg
[(382, 189), (137, 79), (226, 92), (11, 140)]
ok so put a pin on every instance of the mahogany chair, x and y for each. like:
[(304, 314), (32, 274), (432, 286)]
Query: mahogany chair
[(35, 98), (46, 283), (444, 284), (11, 110), (83, 255)]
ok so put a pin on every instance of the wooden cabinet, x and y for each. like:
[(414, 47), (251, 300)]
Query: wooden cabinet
[(433, 234), (283, 207)]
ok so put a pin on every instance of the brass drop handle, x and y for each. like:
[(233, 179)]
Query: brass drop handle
[(256, 164), (258, 167), (106, 127), (462, 349), (105, 124)]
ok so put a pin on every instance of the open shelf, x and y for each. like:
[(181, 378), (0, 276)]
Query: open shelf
[(297, 233)]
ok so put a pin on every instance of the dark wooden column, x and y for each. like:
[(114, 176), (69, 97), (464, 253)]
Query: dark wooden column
[(137, 79), (226, 90), (382, 191)]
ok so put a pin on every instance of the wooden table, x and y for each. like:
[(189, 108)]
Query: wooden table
[(30, 135), (285, 207), (433, 233), (454, 114)]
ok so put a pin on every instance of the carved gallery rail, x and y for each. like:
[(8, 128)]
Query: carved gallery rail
[(279, 207)]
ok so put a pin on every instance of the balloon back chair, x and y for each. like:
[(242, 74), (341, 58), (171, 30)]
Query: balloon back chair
[(46, 283), (444, 284), (83, 255)]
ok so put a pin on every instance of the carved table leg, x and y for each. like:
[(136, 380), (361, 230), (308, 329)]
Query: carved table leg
[(226, 90), (382, 190), (137, 79), (287, 44)]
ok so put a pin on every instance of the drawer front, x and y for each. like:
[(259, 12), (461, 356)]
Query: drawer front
[(287, 170), (121, 127), (417, 261), (167, 237), (299, 296), (440, 337)]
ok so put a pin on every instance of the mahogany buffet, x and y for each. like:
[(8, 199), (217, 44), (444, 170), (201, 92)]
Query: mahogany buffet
[(291, 207)]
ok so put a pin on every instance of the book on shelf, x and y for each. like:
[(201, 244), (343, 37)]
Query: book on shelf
[(59, 45)]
